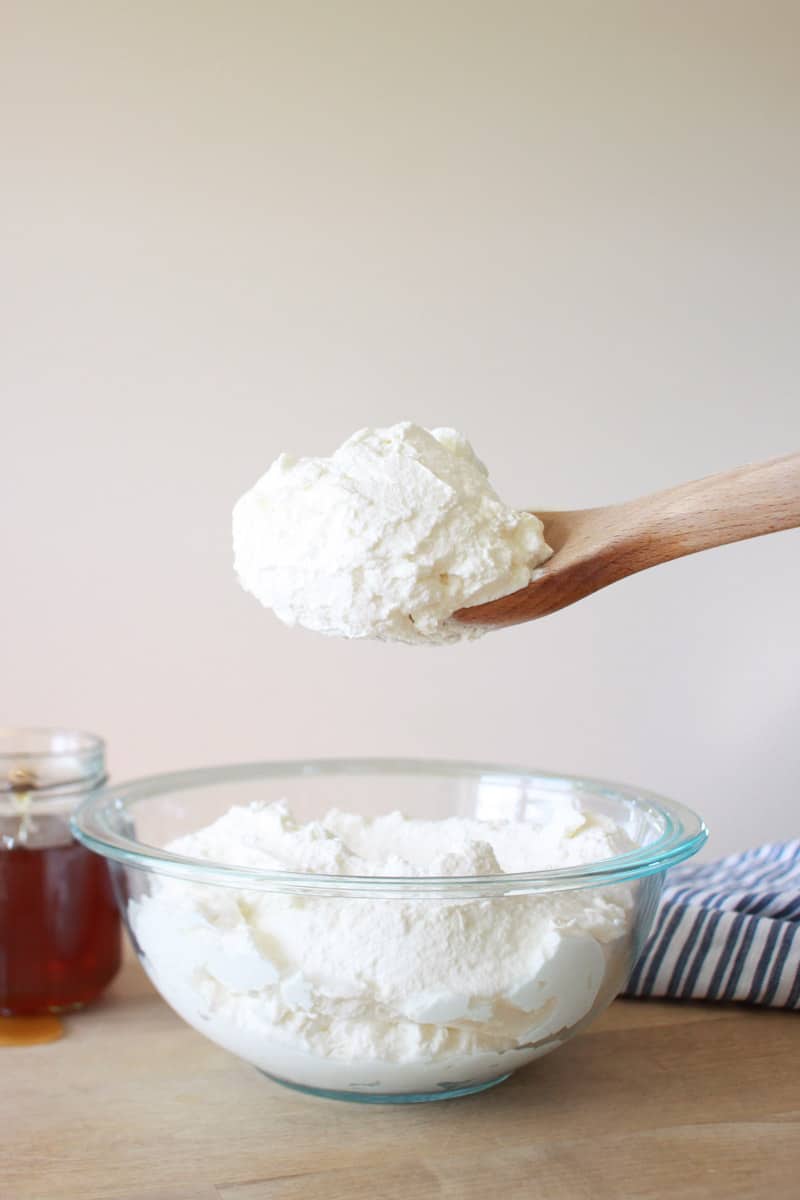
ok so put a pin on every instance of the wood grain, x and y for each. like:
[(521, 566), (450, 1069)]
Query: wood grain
[(684, 1101), (595, 547)]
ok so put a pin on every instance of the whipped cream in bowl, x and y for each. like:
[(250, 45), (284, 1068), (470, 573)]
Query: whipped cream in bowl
[(386, 931)]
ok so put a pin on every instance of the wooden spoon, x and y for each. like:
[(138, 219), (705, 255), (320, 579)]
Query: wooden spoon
[(594, 547)]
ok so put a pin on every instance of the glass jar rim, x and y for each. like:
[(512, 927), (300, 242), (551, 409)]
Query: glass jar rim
[(47, 761), (682, 833)]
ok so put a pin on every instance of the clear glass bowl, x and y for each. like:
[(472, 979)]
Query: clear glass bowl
[(289, 970)]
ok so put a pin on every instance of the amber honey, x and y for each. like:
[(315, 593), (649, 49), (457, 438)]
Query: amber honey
[(59, 929)]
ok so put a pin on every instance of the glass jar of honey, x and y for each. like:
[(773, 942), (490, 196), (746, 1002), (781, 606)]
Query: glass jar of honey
[(59, 928)]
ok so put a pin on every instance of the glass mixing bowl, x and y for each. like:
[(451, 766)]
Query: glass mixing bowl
[(383, 989)]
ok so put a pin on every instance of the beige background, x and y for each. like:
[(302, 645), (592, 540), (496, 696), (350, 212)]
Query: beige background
[(568, 229)]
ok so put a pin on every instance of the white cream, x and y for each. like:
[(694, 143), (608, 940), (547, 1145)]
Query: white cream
[(413, 993), (387, 538)]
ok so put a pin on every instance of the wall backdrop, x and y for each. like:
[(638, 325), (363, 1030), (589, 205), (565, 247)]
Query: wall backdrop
[(231, 229)]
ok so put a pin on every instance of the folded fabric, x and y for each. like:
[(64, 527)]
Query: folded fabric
[(727, 930)]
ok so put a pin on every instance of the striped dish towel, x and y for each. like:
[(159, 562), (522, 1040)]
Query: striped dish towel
[(727, 930)]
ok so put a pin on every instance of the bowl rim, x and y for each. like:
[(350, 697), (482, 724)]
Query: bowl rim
[(683, 832)]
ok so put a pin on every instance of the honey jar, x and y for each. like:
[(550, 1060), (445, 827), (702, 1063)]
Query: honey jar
[(59, 927)]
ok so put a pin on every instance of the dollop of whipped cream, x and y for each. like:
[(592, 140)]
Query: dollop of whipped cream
[(387, 538), (393, 993)]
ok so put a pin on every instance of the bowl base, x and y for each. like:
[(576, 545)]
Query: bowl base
[(389, 1097)]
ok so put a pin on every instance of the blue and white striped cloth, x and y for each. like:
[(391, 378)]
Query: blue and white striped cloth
[(728, 930)]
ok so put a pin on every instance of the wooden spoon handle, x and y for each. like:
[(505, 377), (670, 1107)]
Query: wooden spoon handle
[(595, 547), (746, 502)]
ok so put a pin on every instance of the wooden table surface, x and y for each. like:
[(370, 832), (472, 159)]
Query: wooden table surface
[(656, 1100)]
